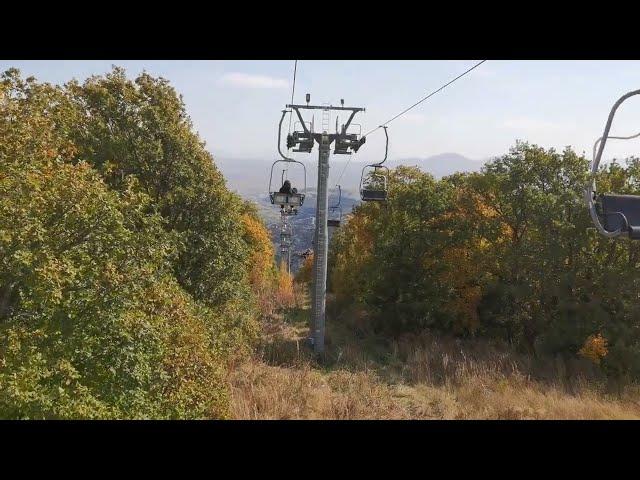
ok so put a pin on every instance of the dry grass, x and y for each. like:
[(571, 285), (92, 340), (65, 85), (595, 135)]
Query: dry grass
[(423, 377), (262, 391)]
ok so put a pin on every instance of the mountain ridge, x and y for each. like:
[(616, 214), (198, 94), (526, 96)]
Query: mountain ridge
[(250, 176)]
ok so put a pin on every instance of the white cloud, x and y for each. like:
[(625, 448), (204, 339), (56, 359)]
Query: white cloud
[(245, 80)]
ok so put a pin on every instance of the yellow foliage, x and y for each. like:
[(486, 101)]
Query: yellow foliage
[(485, 210), (261, 258), (285, 295), (594, 348), (352, 257), (192, 364)]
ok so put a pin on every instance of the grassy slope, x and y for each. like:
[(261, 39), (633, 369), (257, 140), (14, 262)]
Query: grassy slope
[(422, 377)]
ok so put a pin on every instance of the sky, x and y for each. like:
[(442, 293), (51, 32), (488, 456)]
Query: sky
[(236, 105)]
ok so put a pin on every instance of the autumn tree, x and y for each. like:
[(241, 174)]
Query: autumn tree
[(140, 128), (127, 267), (507, 252)]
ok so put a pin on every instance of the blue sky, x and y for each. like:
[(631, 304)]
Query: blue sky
[(235, 105)]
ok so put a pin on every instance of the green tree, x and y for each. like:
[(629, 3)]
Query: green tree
[(92, 325), (124, 260), (140, 128)]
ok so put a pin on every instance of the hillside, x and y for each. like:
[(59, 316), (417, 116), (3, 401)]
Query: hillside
[(139, 278), (303, 223), (499, 263), (423, 377)]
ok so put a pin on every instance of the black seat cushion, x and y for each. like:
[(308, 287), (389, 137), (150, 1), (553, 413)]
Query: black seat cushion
[(374, 195), (628, 205)]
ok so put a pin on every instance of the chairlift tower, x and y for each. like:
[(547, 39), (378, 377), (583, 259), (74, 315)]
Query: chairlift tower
[(345, 144), (286, 239)]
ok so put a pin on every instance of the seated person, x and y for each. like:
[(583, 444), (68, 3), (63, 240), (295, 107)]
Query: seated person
[(286, 188)]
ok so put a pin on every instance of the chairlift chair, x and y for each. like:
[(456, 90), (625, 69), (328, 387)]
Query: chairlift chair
[(335, 209), (375, 178), (285, 238), (619, 214), (289, 200), (373, 186)]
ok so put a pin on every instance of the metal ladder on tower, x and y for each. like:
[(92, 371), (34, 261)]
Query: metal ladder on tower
[(326, 118)]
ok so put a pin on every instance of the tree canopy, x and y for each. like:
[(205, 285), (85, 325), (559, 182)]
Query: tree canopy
[(508, 252), (130, 273)]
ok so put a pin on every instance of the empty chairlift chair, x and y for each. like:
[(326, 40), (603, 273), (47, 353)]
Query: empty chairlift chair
[(375, 179), (373, 185), (335, 211), (613, 215)]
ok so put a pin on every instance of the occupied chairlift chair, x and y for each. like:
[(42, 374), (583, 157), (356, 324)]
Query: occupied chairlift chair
[(289, 208), (373, 185), (335, 211), (620, 213), (290, 201)]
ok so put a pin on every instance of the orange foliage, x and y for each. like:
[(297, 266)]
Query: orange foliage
[(594, 348), (285, 295), (305, 271), (261, 270)]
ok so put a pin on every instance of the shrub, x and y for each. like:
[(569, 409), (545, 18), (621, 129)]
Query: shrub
[(92, 325), (507, 252)]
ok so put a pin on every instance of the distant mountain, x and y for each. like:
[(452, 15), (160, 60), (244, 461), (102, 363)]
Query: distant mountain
[(250, 176), (441, 165)]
